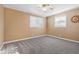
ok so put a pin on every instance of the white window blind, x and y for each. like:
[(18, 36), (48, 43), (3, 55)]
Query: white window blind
[(60, 21), (36, 22)]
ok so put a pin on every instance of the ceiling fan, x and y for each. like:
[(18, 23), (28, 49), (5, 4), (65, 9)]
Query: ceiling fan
[(46, 7)]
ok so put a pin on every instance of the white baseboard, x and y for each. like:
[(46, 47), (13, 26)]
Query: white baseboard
[(39, 36), (23, 39), (2, 46), (64, 38)]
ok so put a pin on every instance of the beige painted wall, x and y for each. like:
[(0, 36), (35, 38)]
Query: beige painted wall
[(1, 25), (17, 25), (71, 31)]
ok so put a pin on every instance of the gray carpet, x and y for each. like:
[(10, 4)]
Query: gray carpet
[(42, 45)]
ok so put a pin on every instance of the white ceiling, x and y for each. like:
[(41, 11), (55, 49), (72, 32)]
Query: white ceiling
[(33, 8)]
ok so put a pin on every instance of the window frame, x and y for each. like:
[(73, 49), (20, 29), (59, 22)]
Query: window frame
[(64, 19), (38, 25)]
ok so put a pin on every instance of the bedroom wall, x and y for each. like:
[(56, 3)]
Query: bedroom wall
[(17, 25), (71, 31), (1, 25)]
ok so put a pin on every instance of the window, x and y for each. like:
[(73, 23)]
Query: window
[(35, 22), (60, 21)]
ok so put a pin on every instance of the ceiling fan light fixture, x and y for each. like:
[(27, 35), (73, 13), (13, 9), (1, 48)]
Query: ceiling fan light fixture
[(46, 7)]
